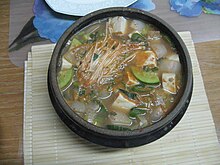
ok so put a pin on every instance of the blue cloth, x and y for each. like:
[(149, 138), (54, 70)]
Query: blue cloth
[(192, 8), (51, 25)]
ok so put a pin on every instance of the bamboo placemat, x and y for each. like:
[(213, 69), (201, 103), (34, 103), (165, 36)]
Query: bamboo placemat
[(48, 141)]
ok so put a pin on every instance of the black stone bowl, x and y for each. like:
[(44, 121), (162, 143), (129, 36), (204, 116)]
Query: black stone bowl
[(112, 138)]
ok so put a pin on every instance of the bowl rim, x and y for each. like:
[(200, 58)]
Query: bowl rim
[(105, 13)]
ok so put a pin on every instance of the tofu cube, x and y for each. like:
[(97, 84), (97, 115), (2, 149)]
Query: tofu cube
[(118, 24), (131, 80), (169, 82), (146, 58), (123, 104)]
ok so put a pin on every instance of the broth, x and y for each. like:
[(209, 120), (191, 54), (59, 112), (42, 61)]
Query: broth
[(120, 74)]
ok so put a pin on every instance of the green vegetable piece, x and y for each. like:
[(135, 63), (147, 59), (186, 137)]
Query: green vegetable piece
[(136, 37), (142, 88), (138, 88), (147, 69), (103, 109), (76, 84), (118, 128), (65, 77), (85, 37), (95, 36), (75, 42), (136, 111), (146, 77), (129, 94), (168, 40), (101, 116), (92, 95), (82, 91), (155, 69), (95, 57)]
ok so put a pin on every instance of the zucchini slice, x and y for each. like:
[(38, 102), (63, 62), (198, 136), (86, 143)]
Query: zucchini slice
[(146, 77), (65, 77)]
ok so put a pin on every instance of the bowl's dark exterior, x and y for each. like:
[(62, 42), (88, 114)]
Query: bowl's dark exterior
[(111, 138)]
